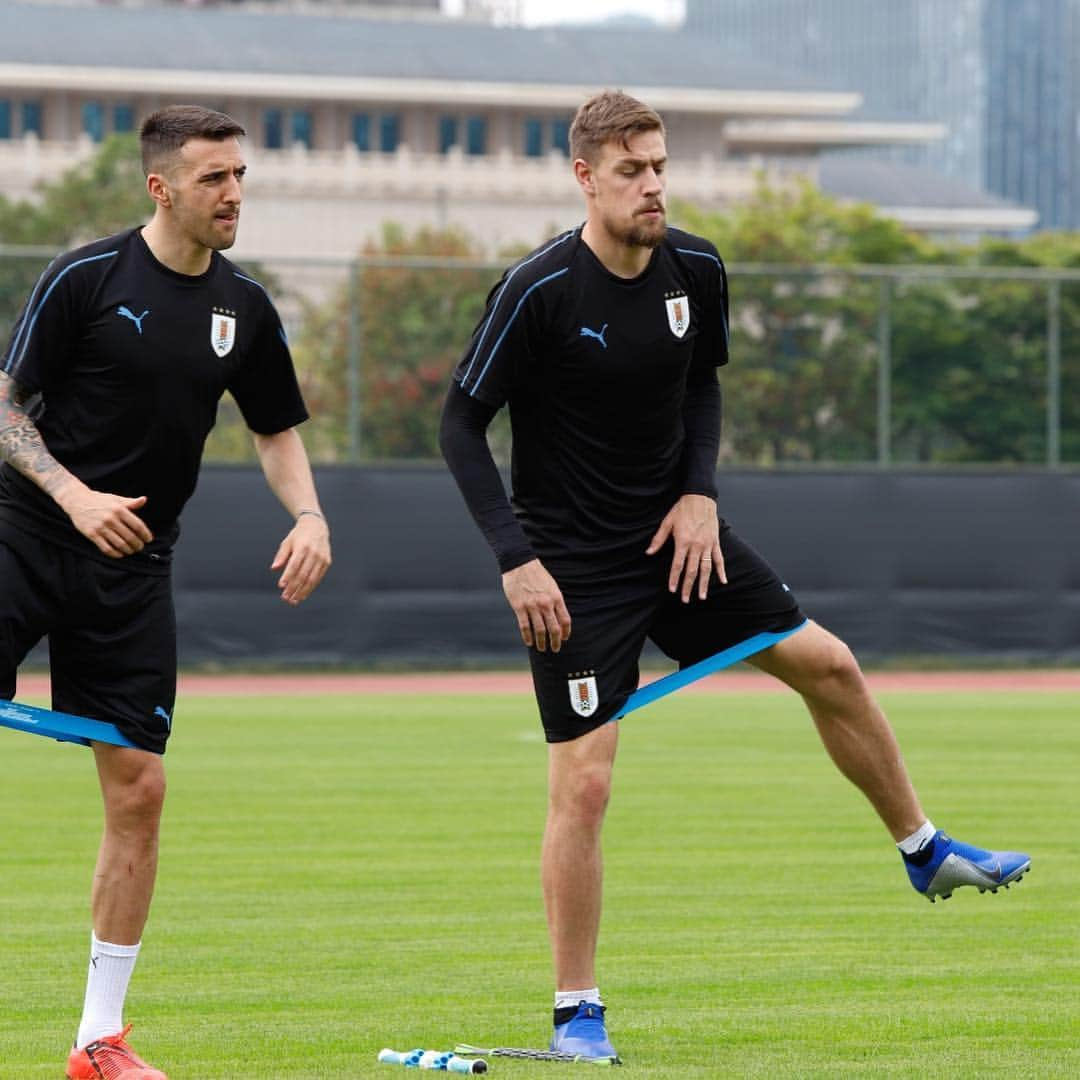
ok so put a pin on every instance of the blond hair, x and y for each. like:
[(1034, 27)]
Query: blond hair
[(608, 116)]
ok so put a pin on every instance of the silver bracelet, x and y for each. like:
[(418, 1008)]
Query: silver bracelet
[(313, 513)]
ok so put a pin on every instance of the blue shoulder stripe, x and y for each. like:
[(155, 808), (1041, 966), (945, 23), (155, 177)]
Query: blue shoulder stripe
[(495, 348), (26, 326), (253, 282), (700, 254), (281, 326), (710, 255), (20, 326), (495, 303)]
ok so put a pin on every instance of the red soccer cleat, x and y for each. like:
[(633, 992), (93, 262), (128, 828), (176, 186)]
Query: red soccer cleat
[(110, 1058)]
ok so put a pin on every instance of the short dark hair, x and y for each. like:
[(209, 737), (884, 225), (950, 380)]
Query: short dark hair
[(165, 131), (607, 116)]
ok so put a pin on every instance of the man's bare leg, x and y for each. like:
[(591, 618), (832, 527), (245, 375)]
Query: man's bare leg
[(133, 793), (861, 743), (579, 784), (852, 726)]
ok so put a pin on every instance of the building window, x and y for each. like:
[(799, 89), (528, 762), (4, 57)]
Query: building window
[(389, 133), (448, 133), (273, 129), (361, 131), (5, 119), (386, 128), (123, 118), (476, 135), (93, 120), (560, 136), (534, 137), (31, 117), (303, 127)]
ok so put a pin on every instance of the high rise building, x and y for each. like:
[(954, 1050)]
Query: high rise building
[(1032, 113), (893, 52), (1001, 74)]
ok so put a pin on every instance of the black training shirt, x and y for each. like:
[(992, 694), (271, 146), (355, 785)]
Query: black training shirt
[(594, 369), (131, 359)]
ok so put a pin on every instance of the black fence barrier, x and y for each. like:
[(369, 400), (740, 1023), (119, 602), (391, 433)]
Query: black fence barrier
[(922, 564)]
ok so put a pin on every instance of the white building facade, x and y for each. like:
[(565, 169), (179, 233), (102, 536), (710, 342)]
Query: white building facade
[(354, 121)]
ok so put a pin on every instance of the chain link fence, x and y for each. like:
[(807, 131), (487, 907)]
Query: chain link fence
[(887, 366)]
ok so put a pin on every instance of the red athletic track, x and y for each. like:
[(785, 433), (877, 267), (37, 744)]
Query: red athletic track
[(518, 682)]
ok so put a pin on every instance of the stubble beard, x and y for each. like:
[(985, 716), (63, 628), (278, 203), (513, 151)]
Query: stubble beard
[(216, 242), (647, 237), (644, 234), (205, 234)]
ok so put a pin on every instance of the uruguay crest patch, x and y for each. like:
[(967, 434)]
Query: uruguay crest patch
[(583, 694), (222, 331), (678, 314)]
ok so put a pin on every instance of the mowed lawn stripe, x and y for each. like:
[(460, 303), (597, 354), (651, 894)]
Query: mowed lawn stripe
[(341, 874)]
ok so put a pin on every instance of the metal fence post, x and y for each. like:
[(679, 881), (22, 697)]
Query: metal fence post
[(1053, 373), (884, 379), (352, 374)]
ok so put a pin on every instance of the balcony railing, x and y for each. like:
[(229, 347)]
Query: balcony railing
[(502, 176)]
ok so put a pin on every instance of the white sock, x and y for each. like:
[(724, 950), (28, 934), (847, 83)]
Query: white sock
[(106, 987), (571, 999), (918, 839)]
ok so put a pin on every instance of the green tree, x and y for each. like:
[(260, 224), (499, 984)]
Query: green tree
[(969, 364), (99, 196), (804, 344), (394, 334), (969, 360), (1060, 251), (102, 195), (800, 226), (968, 370)]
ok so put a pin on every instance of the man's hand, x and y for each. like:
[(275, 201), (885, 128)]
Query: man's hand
[(695, 529), (538, 604), (303, 557), (107, 521)]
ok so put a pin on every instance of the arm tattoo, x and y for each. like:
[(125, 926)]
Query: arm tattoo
[(21, 444)]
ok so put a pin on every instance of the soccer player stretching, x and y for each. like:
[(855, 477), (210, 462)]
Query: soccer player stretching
[(604, 343), (108, 389)]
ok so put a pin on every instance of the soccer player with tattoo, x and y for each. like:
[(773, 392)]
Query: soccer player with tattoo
[(604, 344), (108, 389)]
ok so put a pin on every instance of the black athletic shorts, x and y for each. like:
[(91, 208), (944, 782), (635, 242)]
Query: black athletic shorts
[(587, 682), (112, 635)]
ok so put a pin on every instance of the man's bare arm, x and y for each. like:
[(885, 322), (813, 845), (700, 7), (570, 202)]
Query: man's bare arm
[(21, 444), (108, 521), (303, 557)]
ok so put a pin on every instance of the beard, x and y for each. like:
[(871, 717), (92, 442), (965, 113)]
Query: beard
[(641, 232), (208, 234), (218, 241)]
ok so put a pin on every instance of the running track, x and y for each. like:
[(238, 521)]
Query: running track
[(518, 682)]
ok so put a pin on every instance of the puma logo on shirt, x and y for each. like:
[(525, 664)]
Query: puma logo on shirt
[(136, 319), (598, 334)]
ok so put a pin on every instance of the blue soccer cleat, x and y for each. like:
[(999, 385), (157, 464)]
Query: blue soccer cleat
[(584, 1034), (951, 864)]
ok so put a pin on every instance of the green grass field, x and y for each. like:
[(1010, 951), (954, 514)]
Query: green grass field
[(342, 874)]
